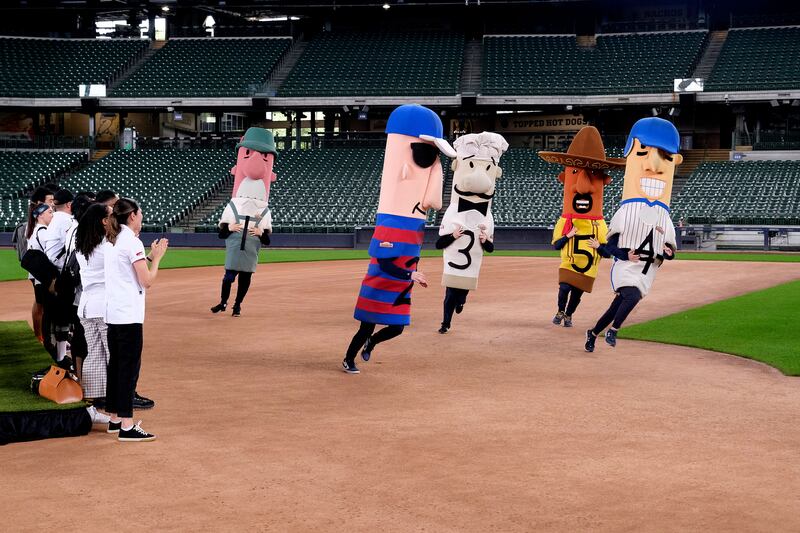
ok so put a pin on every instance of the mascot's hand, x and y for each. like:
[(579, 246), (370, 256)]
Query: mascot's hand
[(256, 232), (458, 232), (593, 243), (633, 257), (235, 228), (483, 237), (668, 251), (571, 233), (420, 278)]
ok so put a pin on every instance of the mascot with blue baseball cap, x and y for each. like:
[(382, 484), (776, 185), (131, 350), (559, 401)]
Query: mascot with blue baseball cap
[(641, 235)]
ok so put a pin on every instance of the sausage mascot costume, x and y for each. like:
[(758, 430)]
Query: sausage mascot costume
[(584, 176), (246, 222), (467, 228), (411, 183), (641, 235)]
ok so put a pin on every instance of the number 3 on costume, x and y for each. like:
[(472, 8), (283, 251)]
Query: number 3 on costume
[(465, 251)]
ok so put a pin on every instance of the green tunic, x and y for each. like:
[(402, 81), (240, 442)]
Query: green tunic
[(241, 249)]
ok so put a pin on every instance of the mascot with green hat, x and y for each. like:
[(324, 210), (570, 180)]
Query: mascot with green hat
[(246, 222)]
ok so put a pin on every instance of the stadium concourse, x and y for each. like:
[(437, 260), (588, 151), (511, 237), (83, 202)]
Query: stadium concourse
[(504, 424)]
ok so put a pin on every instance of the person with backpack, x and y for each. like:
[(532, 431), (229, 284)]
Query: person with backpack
[(57, 311), (19, 239), (39, 217)]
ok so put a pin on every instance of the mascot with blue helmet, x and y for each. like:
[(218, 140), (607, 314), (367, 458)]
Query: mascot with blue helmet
[(641, 235)]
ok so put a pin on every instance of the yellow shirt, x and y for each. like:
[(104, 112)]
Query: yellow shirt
[(577, 255)]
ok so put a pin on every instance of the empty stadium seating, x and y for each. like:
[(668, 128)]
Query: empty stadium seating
[(741, 192), (55, 67), (22, 170), (385, 64), (219, 67), (168, 184), (619, 64), (757, 59)]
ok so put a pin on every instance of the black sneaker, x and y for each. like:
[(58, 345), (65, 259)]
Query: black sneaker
[(443, 329), (114, 427), (140, 402), (350, 367), (135, 434), (459, 308), (366, 352), (558, 318), (590, 338), (237, 310), (611, 338), (219, 307), (567, 321)]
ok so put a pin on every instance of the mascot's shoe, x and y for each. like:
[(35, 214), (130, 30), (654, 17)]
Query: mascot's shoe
[(366, 353), (237, 310), (350, 367), (558, 318), (567, 321), (459, 308), (140, 402), (590, 338), (443, 329), (611, 338), (219, 308), (135, 434)]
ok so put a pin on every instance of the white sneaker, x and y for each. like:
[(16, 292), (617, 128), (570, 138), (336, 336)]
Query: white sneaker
[(97, 416)]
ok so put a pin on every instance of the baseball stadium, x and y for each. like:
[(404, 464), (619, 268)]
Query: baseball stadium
[(452, 265)]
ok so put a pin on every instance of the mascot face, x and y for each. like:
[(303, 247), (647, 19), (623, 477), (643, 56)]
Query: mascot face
[(474, 179), (583, 191), (411, 182), (649, 172), (253, 174)]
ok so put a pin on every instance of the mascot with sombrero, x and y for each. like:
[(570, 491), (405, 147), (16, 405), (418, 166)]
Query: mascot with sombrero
[(641, 235), (585, 174), (246, 222)]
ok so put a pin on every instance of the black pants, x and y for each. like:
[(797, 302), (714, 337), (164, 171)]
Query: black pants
[(56, 320), (452, 299), (565, 292), (125, 360), (621, 307), (241, 289), (77, 344), (365, 332)]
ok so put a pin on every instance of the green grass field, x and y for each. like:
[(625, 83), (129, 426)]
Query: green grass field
[(21, 356), (762, 325), (195, 257)]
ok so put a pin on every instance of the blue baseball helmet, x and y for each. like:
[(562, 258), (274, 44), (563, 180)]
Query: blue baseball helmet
[(415, 120), (654, 131)]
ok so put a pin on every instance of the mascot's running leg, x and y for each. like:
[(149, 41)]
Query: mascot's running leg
[(225, 291), (359, 340), (241, 291), (389, 332), (572, 306), (454, 300)]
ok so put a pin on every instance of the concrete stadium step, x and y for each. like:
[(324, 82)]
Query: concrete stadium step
[(471, 68), (716, 40), (197, 215), (284, 67), (116, 81)]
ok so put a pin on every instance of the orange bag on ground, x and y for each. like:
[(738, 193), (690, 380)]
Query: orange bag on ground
[(60, 386)]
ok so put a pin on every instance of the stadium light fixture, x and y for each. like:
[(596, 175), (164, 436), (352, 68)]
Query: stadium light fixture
[(774, 103), (569, 107), (165, 9), (795, 103), (654, 110), (346, 109), (386, 5)]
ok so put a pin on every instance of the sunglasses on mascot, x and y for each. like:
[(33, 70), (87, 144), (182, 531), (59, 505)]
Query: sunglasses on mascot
[(424, 154)]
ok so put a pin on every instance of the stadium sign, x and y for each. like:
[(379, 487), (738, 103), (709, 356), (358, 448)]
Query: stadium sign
[(688, 85), (538, 123)]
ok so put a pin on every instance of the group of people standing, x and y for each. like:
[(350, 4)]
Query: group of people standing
[(89, 318)]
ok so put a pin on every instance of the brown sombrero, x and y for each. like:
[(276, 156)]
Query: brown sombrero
[(585, 151)]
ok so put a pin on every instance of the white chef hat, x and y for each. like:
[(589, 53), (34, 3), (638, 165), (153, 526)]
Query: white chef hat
[(485, 146)]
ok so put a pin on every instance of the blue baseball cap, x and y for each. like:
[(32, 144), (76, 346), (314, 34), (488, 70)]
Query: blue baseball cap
[(415, 120), (654, 131)]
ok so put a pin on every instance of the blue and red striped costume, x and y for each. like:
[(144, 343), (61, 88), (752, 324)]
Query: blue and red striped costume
[(385, 298)]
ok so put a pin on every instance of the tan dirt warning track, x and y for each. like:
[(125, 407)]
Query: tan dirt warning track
[(503, 424)]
